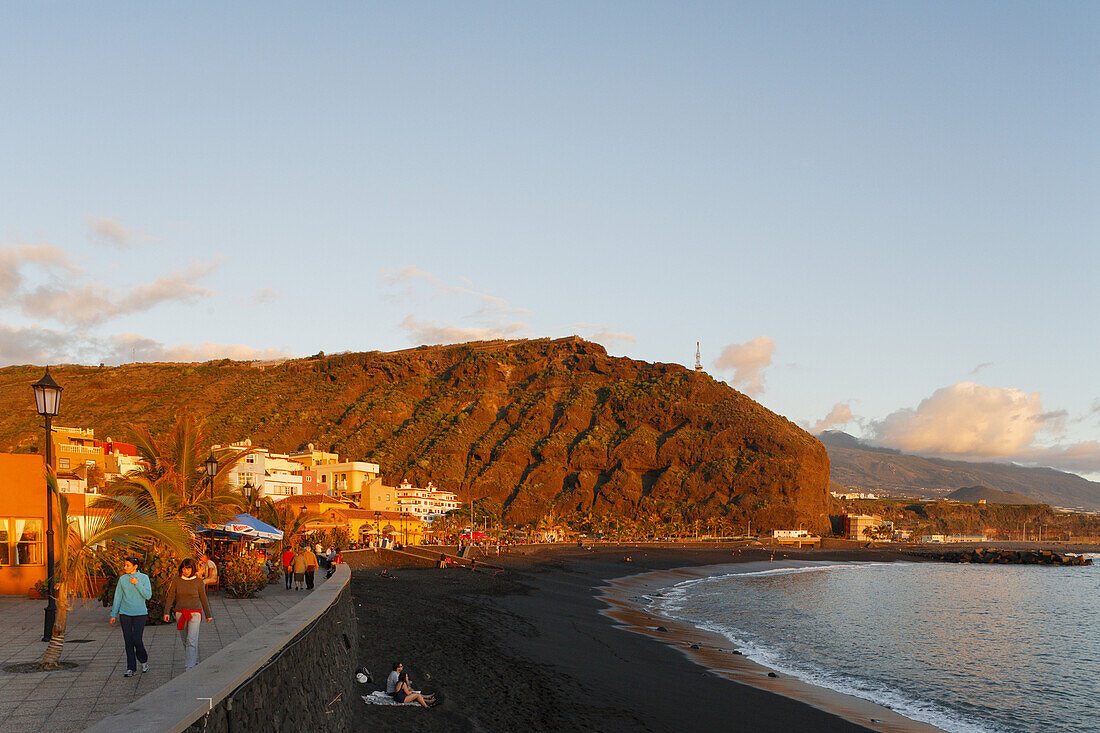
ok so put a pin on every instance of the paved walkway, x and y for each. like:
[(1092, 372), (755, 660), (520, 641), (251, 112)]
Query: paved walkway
[(72, 700)]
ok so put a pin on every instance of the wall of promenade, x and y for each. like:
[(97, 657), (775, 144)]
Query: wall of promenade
[(296, 672)]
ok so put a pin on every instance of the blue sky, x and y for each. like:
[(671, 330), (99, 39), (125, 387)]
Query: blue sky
[(882, 212)]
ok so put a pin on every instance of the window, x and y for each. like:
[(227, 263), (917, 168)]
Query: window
[(28, 540), (4, 559), (63, 464)]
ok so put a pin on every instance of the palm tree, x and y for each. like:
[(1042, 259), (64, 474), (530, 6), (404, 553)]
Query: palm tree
[(129, 521), (174, 467), (281, 516)]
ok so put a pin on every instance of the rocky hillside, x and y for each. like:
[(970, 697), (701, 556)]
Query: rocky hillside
[(859, 466), (531, 425), (974, 494)]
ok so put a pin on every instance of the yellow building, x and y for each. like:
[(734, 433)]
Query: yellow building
[(75, 448), (855, 525), (364, 525), (357, 481)]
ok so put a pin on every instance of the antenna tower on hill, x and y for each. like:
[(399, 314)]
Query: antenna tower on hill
[(698, 360)]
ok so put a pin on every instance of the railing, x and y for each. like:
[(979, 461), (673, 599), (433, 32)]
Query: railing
[(67, 448)]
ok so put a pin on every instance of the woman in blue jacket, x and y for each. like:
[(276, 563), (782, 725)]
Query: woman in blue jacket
[(131, 593)]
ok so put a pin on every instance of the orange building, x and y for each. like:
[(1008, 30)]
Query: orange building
[(22, 522)]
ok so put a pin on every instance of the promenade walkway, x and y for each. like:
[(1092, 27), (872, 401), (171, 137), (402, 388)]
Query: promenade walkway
[(74, 699)]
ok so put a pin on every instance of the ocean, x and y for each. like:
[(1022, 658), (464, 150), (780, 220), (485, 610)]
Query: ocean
[(967, 648)]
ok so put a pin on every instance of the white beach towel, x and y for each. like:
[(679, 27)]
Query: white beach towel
[(380, 698)]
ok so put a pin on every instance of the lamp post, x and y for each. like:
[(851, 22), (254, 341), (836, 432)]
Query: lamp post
[(377, 525), (211, 472), (47, 399)]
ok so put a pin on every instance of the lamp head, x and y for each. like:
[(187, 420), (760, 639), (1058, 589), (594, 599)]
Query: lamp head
[(211, 466), (47, 395)]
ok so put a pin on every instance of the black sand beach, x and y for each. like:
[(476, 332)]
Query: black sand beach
[(528, 649)]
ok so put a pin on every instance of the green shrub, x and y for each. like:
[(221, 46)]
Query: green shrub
[(243, 577)]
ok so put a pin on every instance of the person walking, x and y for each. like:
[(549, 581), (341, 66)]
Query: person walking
[(129, 610), (311, 566), (288, 566), (187, 594), (299, 566)]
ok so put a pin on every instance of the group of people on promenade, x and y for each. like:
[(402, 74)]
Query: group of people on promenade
[(185, 598), (300, 566)]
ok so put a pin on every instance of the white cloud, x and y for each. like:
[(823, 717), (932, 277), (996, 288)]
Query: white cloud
[(16, 258), (264, 295), (493, 315), (748, 362), (602, 334), (84, 305), (124, 347), (430, 332), (976, 421), (966, 419), (35, 345), (841, 414), (109, 231), (409, 273)]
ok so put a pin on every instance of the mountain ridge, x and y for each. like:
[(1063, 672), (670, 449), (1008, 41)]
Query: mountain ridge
[(858, 465), (531, 425)]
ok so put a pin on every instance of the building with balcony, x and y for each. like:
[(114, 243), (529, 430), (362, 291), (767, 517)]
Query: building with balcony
[(86, 464), (273, 475), (856, 525), (427, 503), (357, 481)]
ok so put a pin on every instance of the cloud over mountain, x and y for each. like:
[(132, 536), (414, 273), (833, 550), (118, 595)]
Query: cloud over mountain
[(748, 362)]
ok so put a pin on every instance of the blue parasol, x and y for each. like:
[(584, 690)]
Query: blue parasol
[(246, 525)]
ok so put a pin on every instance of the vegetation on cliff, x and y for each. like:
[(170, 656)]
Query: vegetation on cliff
[(528, 426)]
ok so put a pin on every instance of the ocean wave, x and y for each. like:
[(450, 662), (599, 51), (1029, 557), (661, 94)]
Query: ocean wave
[(669, 600), (908, 706)]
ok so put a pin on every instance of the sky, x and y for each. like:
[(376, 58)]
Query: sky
[(876, 217)]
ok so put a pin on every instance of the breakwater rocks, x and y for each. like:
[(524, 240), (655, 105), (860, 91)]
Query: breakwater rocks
[(1008, 557)]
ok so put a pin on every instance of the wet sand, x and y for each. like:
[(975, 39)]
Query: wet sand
[(556, 643)]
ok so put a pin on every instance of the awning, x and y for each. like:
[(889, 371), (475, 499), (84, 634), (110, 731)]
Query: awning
[(247, 526)]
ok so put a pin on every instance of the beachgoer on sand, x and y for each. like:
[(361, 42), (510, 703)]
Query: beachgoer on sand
[(405, 693), (129, 609)]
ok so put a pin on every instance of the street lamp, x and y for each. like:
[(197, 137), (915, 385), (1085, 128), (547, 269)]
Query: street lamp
[(47, 399), (378, 525), (247, 488), (211, 472)]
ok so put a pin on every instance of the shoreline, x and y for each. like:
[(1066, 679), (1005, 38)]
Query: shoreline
[(628, 599), (530, 648)]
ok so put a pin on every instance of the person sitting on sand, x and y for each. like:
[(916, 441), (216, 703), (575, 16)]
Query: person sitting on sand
[(405, 692), (395, 675)]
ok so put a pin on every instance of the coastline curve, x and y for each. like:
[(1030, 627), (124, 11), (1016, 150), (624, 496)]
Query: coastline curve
[(627, 600)]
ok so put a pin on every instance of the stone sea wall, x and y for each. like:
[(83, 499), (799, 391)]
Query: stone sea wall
[(308, 685), (294, 673)]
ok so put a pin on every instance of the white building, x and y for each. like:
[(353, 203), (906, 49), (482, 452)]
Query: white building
[(789, 534), (271, 474), (427, 503)]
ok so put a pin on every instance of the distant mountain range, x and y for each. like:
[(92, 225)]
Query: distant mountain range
[(859, 465)]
